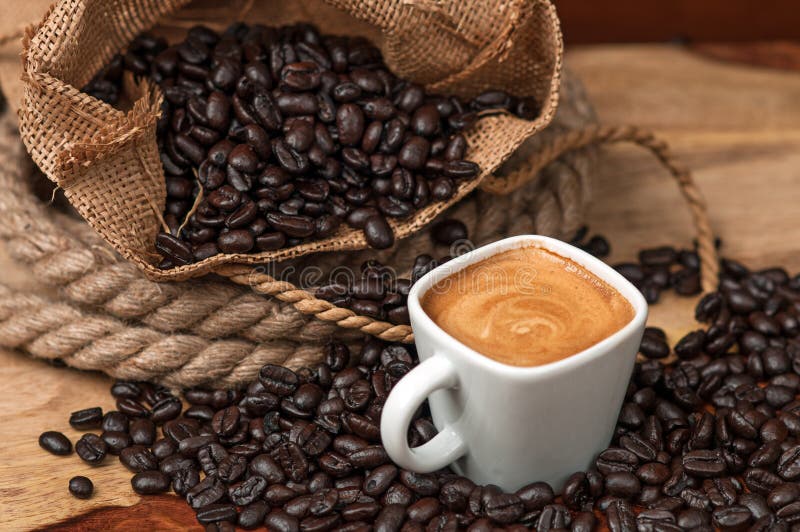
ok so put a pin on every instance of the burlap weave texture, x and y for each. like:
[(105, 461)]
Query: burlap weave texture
[(106, 160)]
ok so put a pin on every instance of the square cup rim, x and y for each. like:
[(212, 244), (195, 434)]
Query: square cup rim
[(605, 347)]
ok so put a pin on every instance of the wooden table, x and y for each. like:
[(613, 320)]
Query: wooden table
[(738, 127)]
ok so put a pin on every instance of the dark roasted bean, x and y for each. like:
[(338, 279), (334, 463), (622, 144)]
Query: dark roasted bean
[(116, 441), (150, 482), (81, 487), (278, 380), (252, 516), (414, 153), (138, 458), (87, 419), (390, 518), (297, 226), (788, 464), (704, 463), (614, 460), (621, 517), (142, 431), (378, 233), (731, 517), (91, 449), (248, 491), (622, 484), (55, 442), (280, 521), (214, 513)]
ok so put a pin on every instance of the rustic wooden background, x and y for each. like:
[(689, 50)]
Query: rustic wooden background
[(734, 121)]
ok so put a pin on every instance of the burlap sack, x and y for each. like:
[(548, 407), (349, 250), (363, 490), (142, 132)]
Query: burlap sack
[(106, 160)]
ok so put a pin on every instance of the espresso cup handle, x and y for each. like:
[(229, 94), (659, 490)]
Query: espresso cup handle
[(435, 373)]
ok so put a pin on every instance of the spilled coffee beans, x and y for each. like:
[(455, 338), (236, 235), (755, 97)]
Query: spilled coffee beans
[(709, 441)]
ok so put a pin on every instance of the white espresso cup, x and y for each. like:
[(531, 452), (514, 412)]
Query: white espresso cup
[(509, 425)]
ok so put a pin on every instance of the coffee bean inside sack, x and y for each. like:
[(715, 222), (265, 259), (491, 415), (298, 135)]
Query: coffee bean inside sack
[(272, 137), (706, 442)]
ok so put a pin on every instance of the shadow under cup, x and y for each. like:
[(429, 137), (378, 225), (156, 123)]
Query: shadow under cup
[(511, 425)]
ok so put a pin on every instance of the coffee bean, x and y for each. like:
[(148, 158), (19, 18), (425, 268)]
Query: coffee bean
[(180, 429), (87, 419), (292, 460), (789, 463), (460, 169), (360, 511), (55, 442), (116, 441), (138, 458), (553, 516), (616, 460), (368, 457), (378, 233), (503, 508), (132, 408), (576, 491), (622, 484), (248, 491), (704, 463), (236, 241), (414, 153), (731, 517), (91, 449), (690, 345), (278, 380), (214, 513), (583, 522), (280, 521), (81, 487), (789, 513), (620, 516), (166, 409), (174, 249), (390, 518), (654, 347), (252, 516), (142, 431), (761, 481), (150, 482), (208, 491)]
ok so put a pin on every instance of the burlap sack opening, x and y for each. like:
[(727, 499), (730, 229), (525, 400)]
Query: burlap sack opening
[(106, 160)]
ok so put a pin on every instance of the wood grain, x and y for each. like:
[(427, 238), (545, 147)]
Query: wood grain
[(783, 55), (161, 512), (737, 127)]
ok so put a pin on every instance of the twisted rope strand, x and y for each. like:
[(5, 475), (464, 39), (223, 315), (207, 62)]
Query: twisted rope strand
[(306, 303), (96, 342)]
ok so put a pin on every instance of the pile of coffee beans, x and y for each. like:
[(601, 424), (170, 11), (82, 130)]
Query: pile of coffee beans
[(706, 442), (270, 137), (658, 269), (379, 292)]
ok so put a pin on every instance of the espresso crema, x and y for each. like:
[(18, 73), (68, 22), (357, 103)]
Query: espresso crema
[(526, 307)]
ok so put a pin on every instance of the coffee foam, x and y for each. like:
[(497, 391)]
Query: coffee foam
[(526, 307)]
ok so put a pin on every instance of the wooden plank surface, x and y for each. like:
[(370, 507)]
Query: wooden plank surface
[(736, 126)]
